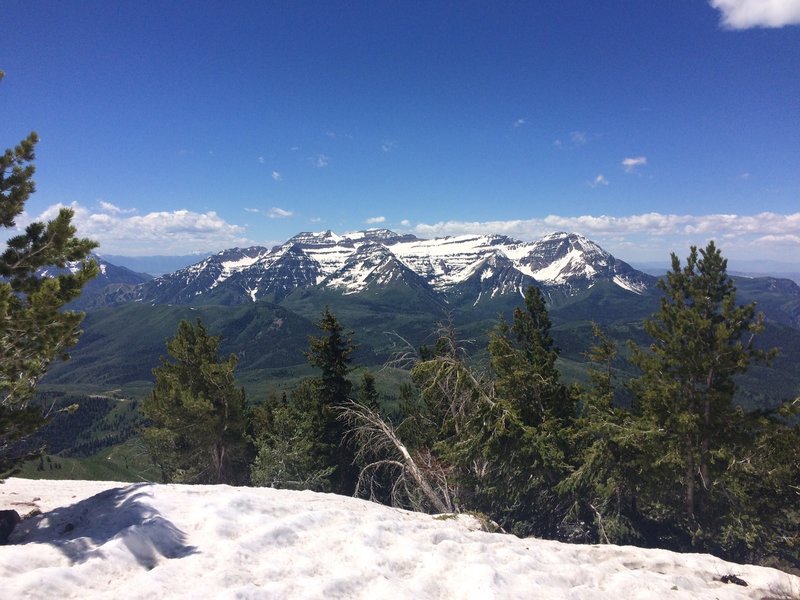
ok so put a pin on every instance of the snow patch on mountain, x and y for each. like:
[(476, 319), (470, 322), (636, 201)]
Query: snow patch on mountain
[(573, 264), (631, 286)]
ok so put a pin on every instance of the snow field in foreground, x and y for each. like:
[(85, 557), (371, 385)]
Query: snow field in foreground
[(115, 540)]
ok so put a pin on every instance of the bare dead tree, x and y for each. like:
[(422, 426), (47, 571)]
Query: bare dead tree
[(405, 357), (419, 480), (452, 391)]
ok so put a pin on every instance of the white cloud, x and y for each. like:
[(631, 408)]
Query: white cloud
[(631, 164), (744, 14), (276, 176), (785, 239), (320, 160), (108, 207), (578, 138), (598, 181), (649, 236), (164, 232), (375, 220), (273, 213), (388, 145), (405, 223), (278, 213), (262, 160), (520, 122)]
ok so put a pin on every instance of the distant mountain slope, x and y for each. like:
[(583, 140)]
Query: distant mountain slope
[(154, 265), (779, 299), (109, 279), (184, 286), (123, 344)]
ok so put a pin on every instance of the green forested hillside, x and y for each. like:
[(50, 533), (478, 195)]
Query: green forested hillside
[(121, 345)]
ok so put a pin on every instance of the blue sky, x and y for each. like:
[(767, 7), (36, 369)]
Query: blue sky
[(180, 127)]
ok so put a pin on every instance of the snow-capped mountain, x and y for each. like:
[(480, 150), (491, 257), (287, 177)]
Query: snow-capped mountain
[(185, 285), (470, 268), (276, 274), (566, 259), (493, 275), (372, 265)]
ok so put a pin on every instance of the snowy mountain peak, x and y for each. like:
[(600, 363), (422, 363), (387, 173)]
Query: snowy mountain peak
[(560, 257), (493, 275), (384, 236), (278, 275), (569, 259), (372, 264), (310, 238)]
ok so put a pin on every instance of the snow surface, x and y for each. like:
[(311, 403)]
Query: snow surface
[(559, 270), (629, 285), (115, 540), (242, 263), (461, 255)]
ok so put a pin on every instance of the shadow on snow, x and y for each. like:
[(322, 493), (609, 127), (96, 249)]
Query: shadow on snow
[(81, 530)]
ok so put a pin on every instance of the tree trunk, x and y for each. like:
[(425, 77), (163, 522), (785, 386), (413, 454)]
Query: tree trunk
[(705, 439), (690, 481), (217, 459)]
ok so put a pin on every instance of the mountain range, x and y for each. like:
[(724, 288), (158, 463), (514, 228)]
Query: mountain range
[(459, 270)]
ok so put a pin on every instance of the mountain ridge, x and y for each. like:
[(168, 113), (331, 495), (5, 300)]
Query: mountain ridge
[(562, 263)]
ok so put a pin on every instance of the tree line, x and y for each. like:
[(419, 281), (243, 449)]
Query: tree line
[(683, 467)]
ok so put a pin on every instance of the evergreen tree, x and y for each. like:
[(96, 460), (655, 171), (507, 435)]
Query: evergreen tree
[(520, 438), (198, 431), (601, 485), (331, 352), (368, 395), (761, 523), (291, 453), (523, 359), (701, 339), (34, 330)]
